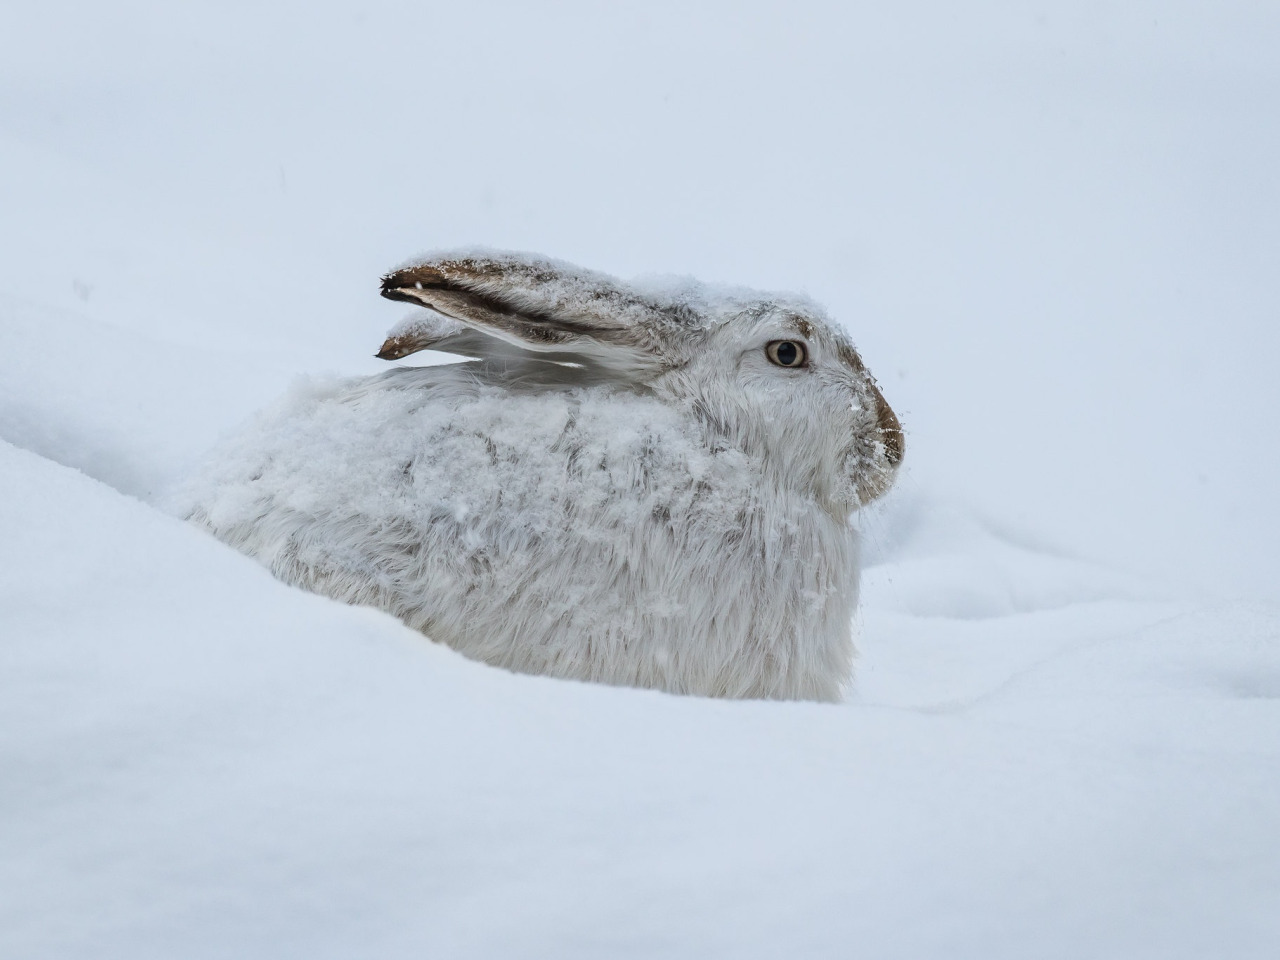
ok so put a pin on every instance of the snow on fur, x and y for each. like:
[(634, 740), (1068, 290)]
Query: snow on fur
[(666, 509)]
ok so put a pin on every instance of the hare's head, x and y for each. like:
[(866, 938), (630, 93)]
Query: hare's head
[(766, 373)]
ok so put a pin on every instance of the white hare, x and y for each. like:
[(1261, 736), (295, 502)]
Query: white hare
[(635, 484)]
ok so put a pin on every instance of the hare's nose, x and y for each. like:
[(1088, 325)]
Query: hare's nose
[(890, 429)]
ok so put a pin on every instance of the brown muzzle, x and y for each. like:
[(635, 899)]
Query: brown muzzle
[(890, 429)]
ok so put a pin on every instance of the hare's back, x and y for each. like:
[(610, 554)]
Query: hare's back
[(436, 459)]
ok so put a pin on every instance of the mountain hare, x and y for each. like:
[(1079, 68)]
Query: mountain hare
[(644, 484)]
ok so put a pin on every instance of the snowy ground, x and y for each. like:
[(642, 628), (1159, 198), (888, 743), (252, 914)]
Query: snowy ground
[(1053, 233)]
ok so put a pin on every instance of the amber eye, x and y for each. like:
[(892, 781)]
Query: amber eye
[(787, 353)]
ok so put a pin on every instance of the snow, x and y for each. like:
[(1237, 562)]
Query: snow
[(1052, 233), (202, 762)]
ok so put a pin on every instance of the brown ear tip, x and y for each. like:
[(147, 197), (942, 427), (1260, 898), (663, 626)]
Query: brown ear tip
[(410, 284), (422, 275), (401, 293), (392, 349)]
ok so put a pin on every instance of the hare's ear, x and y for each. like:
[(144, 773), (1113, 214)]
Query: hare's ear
[(427, 330), (534, 304)]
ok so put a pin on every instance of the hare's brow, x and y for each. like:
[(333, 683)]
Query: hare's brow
[(802, 325)]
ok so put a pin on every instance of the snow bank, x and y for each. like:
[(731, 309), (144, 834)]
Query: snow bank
[(203, 762), (1043, 755)]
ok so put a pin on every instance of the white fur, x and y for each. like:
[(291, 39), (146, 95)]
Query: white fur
[(662, 507)]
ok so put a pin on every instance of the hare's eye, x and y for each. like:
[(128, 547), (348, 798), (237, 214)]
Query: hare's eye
[(787, 353)]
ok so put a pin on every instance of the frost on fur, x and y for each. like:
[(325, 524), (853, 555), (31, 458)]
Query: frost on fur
[(621, 487)]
